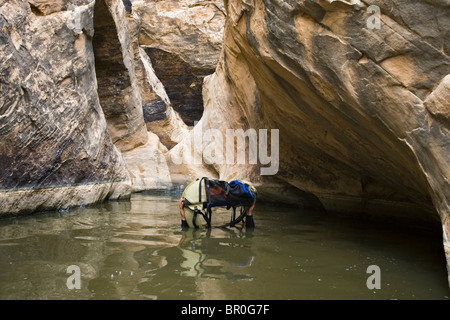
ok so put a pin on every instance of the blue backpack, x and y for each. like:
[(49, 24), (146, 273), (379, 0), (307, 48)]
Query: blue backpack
[(240, 193)]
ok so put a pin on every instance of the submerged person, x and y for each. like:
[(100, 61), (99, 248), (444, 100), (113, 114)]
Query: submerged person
[(202, 194)]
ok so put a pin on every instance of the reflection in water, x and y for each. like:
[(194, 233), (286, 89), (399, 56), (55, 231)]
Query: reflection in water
[(137, 250), (205, 254), (202, 256)]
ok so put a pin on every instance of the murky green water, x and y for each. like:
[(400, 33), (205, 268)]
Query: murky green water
[(136, 250)]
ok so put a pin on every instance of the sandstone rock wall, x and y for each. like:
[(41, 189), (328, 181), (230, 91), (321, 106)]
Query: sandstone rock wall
[(118, 91), (362, 112), (175, 45), (56, 150), (81, 92), (183, 40)]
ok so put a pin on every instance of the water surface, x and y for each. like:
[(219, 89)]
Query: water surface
[(137, 250)]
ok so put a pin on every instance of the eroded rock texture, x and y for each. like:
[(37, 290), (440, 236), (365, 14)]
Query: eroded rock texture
[(175, 45), (78, 83), (183, 40), (56, 150), (117, 84), (362, 112)]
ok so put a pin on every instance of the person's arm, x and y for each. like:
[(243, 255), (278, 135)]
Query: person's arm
[(181, 205), (250, 210), (183, 216)]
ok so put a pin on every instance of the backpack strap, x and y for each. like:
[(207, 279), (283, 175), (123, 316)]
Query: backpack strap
[(235, 220)]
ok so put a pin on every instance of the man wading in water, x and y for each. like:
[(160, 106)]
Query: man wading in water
[(201, 195)]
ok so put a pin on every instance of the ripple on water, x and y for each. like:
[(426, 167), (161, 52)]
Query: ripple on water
[(136, 250)]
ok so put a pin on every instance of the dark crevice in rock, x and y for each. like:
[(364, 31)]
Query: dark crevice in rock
[(112, 74), (183, 83), (35, 10)]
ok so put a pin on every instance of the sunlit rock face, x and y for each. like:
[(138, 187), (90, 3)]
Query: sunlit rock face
[(183, 40), (359, 94), (56, 149), (118, 91), (175, 45)]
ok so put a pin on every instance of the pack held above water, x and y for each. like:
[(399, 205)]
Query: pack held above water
[(203, 194)]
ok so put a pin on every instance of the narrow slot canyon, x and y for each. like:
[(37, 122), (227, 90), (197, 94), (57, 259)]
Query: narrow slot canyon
[(115, 100)]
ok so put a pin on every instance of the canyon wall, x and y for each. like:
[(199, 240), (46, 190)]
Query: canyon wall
[(359, 95), (89, 91), (98, 99), (176, 44), (56, 150), (183, 39)]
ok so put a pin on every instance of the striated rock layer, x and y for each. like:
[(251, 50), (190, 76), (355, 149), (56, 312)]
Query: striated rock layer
[(118, 91), (183, 40), (175, 44), (56, 150), (84, 115), (360, 101)]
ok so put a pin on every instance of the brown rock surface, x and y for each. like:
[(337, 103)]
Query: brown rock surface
[(117, 84), (56, 151), (183, 40), (178, 44), (75, 77), (362, 113)]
